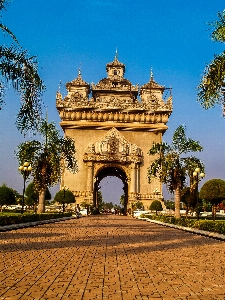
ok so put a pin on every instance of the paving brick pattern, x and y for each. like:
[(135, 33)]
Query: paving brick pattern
[(110, 257)]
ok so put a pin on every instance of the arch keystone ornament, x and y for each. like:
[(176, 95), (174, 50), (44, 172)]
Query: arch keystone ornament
[(114, 123)]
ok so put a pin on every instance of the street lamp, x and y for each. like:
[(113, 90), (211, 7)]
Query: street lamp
[(64, 188), (25, 170), (198, 175)]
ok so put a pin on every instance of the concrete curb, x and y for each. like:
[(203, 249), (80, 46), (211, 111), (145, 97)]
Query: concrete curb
[(210, 234), (31, 224)]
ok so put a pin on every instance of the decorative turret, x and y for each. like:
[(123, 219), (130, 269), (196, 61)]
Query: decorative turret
[(78, 88), (151, 92), (115, 87), (115, 69)]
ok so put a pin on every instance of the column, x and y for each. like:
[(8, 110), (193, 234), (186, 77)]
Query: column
[(90, 176), (133, 181), (138, 178)]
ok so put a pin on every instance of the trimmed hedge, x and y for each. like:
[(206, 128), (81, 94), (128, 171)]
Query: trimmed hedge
[(24, 218), (213, 226)]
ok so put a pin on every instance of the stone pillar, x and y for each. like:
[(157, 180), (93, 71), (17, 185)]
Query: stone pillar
[(126, 197), (90, 176), (133, 181), (138, 178)]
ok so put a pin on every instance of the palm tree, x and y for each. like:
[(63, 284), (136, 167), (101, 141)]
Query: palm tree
[(169, 166), (211, 90), (46, 157), (21, 71)]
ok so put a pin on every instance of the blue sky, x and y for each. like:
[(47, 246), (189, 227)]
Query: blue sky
[(171, 36)]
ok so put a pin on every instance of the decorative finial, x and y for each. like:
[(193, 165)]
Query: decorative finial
[(116, 56), (151, 74), (79, 71), (60, 84)]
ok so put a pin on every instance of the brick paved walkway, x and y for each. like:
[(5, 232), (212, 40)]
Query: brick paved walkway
[(110, 257)]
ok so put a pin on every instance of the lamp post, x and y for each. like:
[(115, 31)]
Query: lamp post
[(25, 170), (198, 175), (64, 188)]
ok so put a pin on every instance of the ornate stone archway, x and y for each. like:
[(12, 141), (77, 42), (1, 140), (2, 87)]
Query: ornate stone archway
[(114, 154), (114, 128), (110, 169)]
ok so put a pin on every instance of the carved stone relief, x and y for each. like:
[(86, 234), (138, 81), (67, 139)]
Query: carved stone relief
[(113, 147)]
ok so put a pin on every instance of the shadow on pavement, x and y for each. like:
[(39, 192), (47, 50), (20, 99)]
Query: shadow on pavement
[(101, 231)]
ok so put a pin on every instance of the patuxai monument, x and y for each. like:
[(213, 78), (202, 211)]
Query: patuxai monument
[(114, 123)]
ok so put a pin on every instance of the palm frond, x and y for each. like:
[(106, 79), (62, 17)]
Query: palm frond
[(218, 34), (159, 148), (3, 4), (9, 32), (169, 166), (19, 69), (210, 90), (182, 144)]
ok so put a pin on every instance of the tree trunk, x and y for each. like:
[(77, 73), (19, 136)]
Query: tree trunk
[(177, 202), (187, 211), (41, 204), (214, 212)]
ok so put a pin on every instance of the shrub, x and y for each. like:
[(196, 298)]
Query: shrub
[(7, 196), (156, 205), (24, 218), (213, 226)]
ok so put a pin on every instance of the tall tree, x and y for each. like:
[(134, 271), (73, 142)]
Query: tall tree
[(20, 69), (211, 90), (170, 165), (48, 158)]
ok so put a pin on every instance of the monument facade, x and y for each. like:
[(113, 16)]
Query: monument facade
[(114, 123)]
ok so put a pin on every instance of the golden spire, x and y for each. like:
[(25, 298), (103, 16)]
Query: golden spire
[(116, 56), (151, 74), (79, 73)]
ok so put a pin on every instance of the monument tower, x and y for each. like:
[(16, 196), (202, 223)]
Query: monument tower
[(114, 123)]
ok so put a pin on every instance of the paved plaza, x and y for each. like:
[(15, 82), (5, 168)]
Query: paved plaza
[(110, 257)]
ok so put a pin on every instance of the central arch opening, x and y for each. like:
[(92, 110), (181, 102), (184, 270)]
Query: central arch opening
[(111, 188), (109, 172)]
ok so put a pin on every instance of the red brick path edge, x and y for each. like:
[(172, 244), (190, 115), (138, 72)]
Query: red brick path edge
[(109, 257)]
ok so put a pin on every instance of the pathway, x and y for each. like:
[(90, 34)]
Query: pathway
[(109, 257)]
